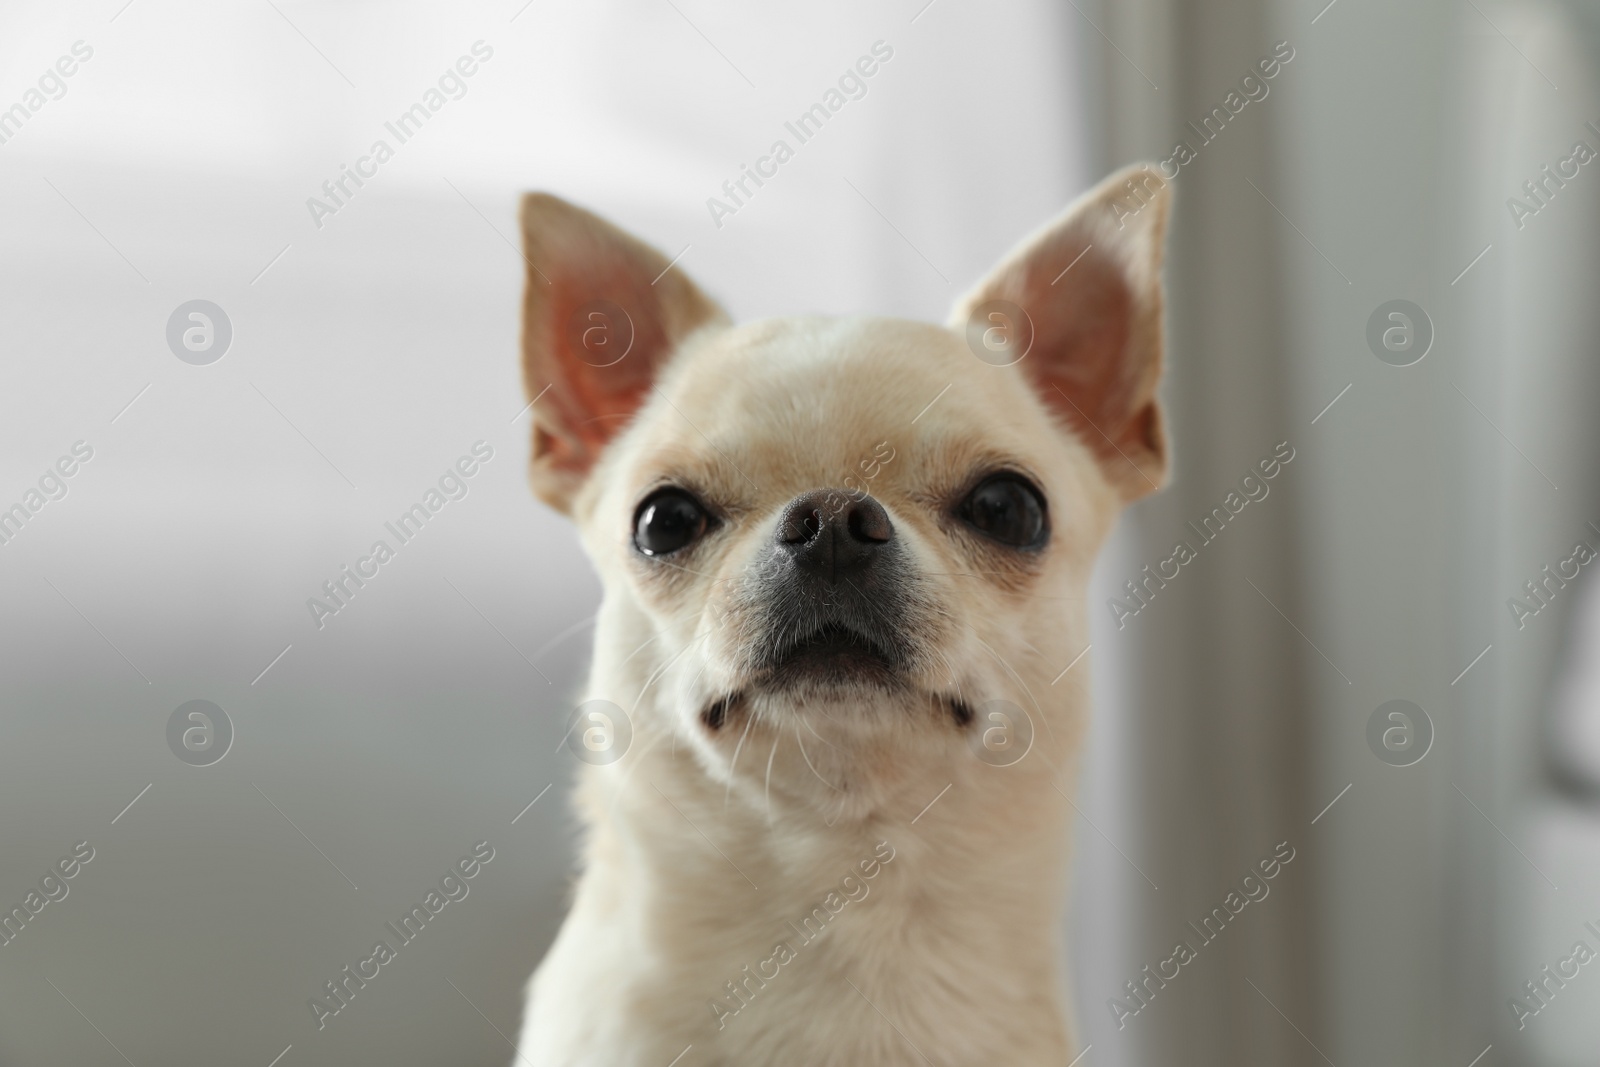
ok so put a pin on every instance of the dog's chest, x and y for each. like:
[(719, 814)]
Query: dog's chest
[(852, 959)]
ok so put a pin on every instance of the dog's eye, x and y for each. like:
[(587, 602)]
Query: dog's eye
[(667, 521), (1007, 508)]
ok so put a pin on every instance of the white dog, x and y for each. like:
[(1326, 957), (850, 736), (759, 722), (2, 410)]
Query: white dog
[(844, 563)]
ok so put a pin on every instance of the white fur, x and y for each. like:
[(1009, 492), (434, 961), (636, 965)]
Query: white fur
[(703, 846)]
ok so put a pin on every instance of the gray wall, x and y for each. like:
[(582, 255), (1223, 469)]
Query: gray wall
[(1417, 505)]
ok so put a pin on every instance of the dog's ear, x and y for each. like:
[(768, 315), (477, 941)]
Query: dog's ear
[(1088, 336), (601, 315)]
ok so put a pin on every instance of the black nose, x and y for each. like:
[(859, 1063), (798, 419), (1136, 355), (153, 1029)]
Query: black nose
[(833, 534)]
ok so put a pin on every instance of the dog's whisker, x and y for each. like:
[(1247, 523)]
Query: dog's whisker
[(696, 679), (959, 710), (941, 660), (733, 764), (766, 790), (680, 567), (647, 643), (661, 670), (690, 688), (814, 770), (564, 634), (806, 720), (890, 625), (830, 823)]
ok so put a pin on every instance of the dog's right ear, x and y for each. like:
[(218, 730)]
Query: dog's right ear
[(601, 315)]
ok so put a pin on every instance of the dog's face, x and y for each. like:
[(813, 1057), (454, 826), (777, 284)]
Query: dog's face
[(870, 536)]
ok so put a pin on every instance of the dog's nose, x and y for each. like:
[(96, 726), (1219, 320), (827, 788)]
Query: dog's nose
[(831, 533)]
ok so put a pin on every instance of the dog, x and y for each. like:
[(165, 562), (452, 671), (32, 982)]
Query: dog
[(836, 697)]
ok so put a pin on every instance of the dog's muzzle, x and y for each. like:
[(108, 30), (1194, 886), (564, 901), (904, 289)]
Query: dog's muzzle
[(832, 589)]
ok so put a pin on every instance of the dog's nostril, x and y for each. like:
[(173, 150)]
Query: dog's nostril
[(831, 532), (800, 526), (868, 522)]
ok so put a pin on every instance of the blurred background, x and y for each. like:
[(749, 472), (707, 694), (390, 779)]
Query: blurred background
[(1427, 543)]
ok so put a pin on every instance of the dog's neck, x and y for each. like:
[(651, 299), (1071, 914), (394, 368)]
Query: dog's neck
[(713, 869)]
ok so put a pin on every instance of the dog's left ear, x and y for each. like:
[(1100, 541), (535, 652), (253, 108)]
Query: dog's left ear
[(601, 316), (1089, 338)]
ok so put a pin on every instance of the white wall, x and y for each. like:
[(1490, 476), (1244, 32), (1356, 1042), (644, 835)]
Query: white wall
[(367, 355)]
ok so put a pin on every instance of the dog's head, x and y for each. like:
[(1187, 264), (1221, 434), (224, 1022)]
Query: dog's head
[(871, 537)]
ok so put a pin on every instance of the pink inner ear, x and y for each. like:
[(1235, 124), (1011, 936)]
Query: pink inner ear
[(595, 402), (601, 313), (1080, 361)]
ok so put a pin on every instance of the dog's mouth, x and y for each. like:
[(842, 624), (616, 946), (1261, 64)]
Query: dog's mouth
[(833, 660), (832, 653)]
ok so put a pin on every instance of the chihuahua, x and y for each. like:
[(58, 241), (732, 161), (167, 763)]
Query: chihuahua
[(831, 725)]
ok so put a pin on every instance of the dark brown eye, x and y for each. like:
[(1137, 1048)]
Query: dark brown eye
[(669, 520), (1009, 509)]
